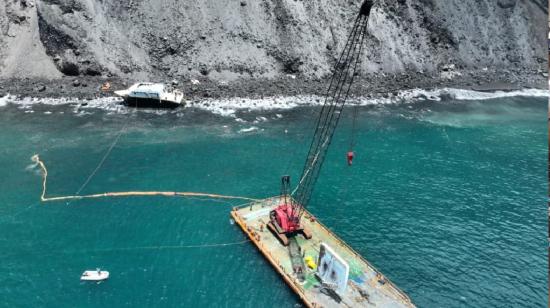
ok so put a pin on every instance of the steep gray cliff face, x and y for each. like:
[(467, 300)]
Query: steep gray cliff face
[(21, 51), (265, 38)]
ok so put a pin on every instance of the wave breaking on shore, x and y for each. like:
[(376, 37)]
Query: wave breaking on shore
[(229, 106)]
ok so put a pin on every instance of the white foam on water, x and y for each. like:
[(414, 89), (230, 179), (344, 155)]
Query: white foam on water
[(230, 106), (25, 101), (456, 94), (4, 100), (461, 94), (31, 166), (248, 130)]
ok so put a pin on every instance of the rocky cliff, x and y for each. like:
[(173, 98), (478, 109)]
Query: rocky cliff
[(230, 39)]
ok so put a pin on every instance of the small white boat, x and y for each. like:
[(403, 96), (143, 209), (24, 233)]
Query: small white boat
[(151, 95), (97, 275)]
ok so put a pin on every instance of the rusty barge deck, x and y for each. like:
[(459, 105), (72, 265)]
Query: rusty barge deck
[(366, 286)]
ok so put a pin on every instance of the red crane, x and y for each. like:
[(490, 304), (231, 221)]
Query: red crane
[(285, 219)]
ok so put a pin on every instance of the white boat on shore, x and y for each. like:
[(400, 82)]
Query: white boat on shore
[(151, 95), (97, 275)]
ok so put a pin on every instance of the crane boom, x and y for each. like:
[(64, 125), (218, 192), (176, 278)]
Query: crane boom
[(285, 219), (335, 99)]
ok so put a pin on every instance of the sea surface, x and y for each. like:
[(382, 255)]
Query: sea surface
[(446, 196)]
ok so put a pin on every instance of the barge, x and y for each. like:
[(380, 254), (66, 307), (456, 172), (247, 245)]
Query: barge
[(365, 286)]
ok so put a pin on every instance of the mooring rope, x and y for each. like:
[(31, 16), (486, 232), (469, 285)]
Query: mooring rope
[(102, 160), (117, 249), (170, 247), (35, 158)]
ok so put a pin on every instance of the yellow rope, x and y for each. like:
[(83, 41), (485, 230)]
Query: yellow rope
[(43, 197)]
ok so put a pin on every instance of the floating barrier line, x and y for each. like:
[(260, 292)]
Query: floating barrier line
[(43, 197), (119, 249), (170, 247)]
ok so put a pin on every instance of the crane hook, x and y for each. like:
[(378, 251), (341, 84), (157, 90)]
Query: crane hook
[(350, 157)]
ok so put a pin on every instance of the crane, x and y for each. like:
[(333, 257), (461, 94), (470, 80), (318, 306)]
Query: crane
[(285, 218)]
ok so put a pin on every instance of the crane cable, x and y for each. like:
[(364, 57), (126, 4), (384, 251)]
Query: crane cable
[(330, 114), (349, 42), (353, 129)]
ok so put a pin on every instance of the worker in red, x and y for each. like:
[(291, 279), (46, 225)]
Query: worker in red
[(350, 157)]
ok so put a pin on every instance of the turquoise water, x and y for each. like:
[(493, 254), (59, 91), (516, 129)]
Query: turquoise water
[(446, 198)]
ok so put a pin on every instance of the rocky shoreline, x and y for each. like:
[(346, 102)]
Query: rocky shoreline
[(289, 85)]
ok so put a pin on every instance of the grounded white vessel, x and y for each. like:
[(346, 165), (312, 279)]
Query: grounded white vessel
[(151, 95)]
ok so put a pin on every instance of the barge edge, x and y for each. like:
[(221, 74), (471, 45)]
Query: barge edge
[(267, 255), (242, 215)]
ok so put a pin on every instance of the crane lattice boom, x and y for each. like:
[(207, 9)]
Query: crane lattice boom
[(287, 215)]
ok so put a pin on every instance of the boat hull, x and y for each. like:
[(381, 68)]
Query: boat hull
[(94, 276), (141, 102)]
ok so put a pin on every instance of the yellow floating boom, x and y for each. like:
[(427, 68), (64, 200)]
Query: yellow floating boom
[(43, 197)]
